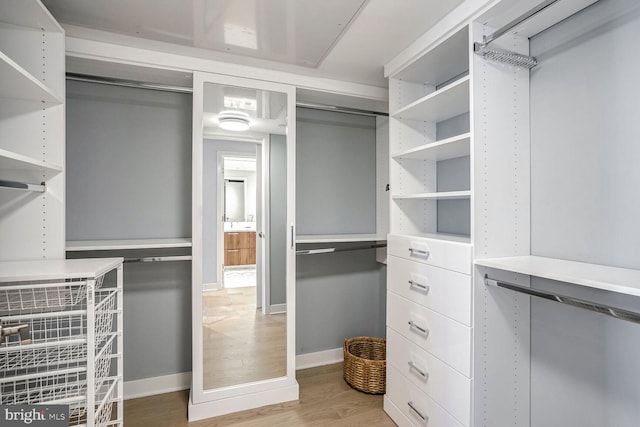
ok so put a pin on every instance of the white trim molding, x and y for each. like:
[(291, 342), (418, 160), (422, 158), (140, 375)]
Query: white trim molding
[(320, 358), (157, 385)]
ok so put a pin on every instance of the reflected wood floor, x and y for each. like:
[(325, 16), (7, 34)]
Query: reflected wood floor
[(240, 344), (325, 400)]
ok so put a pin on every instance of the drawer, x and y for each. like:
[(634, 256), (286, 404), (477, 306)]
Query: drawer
[(444, 291), (445, 338), (442, 383), (415, 407), (441, 253)]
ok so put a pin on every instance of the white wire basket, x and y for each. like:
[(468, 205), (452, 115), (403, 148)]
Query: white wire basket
[(40, 295), (34, 388), (56, 339), (43, 387)]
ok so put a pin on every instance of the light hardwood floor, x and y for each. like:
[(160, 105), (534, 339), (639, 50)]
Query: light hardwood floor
[(240, 344), (325, 400)]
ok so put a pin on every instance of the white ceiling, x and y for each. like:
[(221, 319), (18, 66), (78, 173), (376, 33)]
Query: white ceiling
[(349, 40)]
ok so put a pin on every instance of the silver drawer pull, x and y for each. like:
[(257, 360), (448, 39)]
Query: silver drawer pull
[(422, 417), (414, 284), (420, 252), (420, 329), (418, 370)]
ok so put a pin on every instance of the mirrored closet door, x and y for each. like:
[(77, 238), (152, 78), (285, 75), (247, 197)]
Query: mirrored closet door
[(243, 273)]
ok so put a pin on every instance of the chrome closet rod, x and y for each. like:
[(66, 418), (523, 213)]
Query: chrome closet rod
[(182, 89), (40, 188), (616, 312), (519, 20), (331, 250), (160, 258)]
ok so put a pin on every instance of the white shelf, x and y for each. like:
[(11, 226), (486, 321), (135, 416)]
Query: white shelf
[(17, 162), (30, 14), (452, 238), (450, 148), (444, 195), (446, 60), (613, 279), (14, 271), (450, 101), (17, 83), (340, 238), (111, 245)]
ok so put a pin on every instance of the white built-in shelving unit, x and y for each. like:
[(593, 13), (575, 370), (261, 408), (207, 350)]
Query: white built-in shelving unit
[(67, 319), (433, 273), (62, 337), (429, 292), (423, 96), (31, 132)]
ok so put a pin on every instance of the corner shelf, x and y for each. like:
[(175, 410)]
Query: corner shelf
[(620, 280), (112, 245), (17, 83), (444, 195), (450, 148), (450, 101)]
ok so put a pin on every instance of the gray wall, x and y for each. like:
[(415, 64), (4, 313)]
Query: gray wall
[(585, 207), (128, 172), (338, 295), (335, 173), (211, 148), (128, 160), (278, 218)]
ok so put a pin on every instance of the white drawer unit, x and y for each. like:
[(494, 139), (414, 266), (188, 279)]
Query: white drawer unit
[(451, 255), (446, 339), (444, 291), (408, 406), (442, 383)]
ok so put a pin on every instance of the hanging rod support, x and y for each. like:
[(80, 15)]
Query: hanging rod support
[(505, 56), (39, 188), (608, 310), (519, 20)]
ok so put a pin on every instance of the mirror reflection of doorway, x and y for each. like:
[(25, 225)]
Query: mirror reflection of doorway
[(242, 333), (239, 237)]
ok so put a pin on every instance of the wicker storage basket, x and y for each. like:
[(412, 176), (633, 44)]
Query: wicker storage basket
[(365, 364)]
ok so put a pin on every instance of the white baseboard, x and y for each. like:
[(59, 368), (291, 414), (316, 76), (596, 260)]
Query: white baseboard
[(182, 381), (320, 358), (157, 385), (210, 287), (277, 308)]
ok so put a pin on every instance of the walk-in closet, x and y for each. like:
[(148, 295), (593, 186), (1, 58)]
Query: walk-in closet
[(202, 203)]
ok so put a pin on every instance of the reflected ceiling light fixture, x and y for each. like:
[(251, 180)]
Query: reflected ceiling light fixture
[(236, 121)]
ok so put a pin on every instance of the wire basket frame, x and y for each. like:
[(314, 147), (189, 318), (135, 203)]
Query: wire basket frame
[(57, 340), (40, 295), (37, 388), (105, 396)]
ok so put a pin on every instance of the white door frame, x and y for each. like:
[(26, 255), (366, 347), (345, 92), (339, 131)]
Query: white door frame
[(261, 198)]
